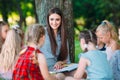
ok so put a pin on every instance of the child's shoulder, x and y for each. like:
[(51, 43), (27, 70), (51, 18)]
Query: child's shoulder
[(85, 54), (93, 52), (23, 51)]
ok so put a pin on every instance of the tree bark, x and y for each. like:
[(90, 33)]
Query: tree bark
[(42, 8), (36, 17), (68, 14)]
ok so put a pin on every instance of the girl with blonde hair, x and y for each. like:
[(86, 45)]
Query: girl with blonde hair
[(31, 63), (107, 34), (9, 53)]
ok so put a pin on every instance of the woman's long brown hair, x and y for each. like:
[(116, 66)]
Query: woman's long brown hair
[(63, 50)]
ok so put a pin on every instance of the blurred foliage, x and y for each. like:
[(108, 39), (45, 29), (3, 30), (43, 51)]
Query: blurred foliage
[(77, 50), (22, 8), (94, 11), (87, 13)]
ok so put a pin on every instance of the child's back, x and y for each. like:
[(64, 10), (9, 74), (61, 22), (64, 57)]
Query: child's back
[(99, 66), (26, 67)]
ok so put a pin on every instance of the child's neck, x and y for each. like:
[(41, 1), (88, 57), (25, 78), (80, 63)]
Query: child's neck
[(92, 48), (32, 45)]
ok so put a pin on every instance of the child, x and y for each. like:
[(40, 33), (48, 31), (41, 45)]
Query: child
[(107, 34), (9, 53), (4, 27), (100, 44), (31, 63), (93, 61)]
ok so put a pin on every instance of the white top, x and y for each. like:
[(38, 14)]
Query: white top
[(109, 53)]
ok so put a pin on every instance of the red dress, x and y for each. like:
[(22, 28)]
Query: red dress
[(25, 69)]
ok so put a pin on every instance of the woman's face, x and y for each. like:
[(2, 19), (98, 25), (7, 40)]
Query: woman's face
[(4, 31), (54, 21)]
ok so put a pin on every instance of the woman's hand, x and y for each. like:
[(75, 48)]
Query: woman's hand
[(59, 65)]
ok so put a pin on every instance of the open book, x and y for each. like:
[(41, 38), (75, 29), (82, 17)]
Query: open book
[(67, 68)]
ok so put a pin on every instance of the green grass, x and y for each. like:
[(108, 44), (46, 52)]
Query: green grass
[(77, 50)]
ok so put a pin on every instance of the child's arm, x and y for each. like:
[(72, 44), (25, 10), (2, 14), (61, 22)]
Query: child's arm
[(81, 68), (43, 68)]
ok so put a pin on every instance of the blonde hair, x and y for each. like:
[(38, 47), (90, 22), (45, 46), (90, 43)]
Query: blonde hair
[(105, 27), (33, 33), (10, 50)]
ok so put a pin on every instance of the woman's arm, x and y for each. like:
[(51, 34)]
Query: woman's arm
[(43, 68)]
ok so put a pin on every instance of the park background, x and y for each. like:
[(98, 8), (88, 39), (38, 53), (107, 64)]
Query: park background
[(84, 14)]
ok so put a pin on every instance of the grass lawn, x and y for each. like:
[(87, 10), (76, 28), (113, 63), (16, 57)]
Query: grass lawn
[(77, 50)]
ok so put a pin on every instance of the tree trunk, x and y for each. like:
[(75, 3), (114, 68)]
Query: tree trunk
[(68, 14), (34, 7), (42, 8)]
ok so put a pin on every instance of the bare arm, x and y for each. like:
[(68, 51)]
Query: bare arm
[(81, 68), (43, 67)]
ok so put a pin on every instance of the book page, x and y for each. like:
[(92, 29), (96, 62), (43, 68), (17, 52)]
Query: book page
[(68, 67)]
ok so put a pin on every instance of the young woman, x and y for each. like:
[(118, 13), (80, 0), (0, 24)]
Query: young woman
[(31, 63), (9, 53), (4, 27), (93, 61), (55, 48)]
